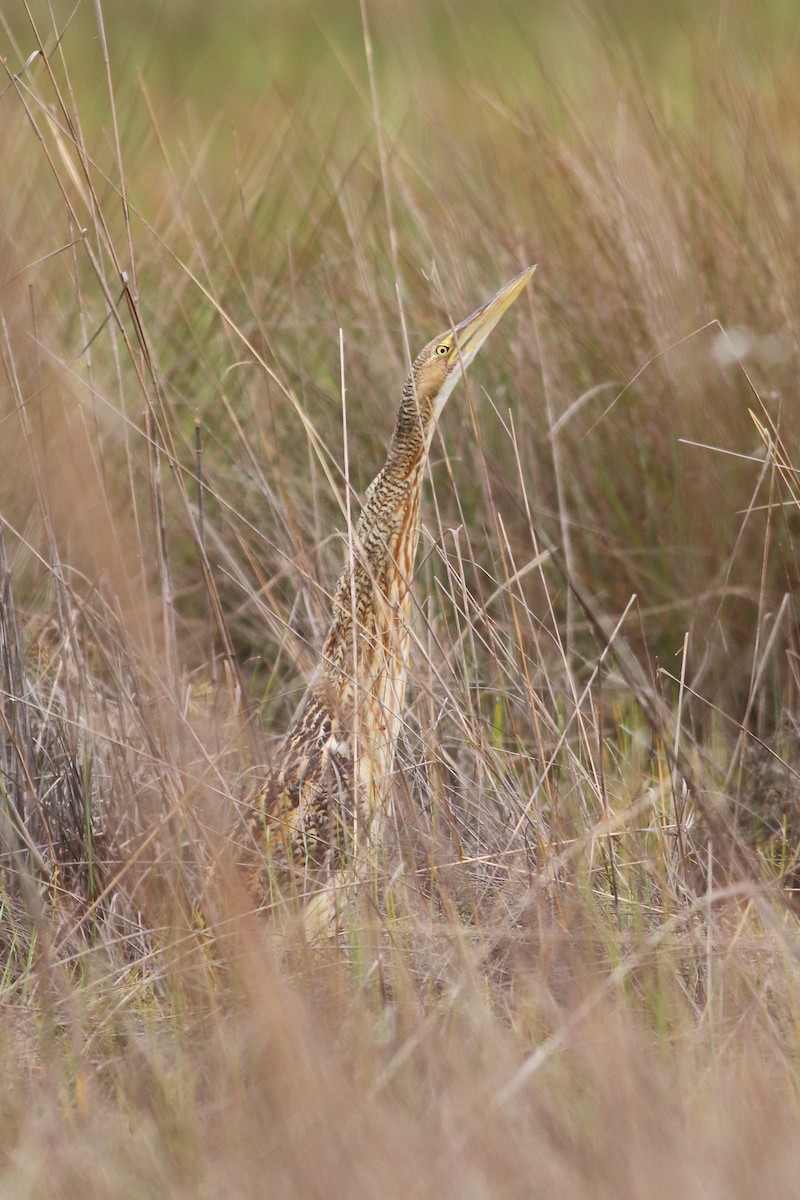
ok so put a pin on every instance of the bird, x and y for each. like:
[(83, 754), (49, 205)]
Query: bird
[(326, 797)]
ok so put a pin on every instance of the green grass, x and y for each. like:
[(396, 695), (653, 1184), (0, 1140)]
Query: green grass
[(572, 969)]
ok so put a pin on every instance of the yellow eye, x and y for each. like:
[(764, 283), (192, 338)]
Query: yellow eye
[(443, 348)]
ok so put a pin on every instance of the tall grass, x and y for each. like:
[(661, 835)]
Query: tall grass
[(574, 969)]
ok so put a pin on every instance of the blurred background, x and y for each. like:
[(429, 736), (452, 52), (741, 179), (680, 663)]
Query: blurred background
[(303, 168), (225, 229)]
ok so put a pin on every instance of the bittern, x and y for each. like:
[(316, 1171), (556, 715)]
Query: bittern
[(327, 794)]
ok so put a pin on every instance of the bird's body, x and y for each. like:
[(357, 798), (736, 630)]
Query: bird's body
[(327, 795)]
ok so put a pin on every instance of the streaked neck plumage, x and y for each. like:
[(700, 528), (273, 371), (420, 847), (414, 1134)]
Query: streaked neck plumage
[(365, 653)]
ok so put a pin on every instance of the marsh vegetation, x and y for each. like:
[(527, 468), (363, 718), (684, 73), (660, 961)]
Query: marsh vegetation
[(573, 967)]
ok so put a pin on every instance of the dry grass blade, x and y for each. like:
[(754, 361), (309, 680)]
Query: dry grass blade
[(571, 967)]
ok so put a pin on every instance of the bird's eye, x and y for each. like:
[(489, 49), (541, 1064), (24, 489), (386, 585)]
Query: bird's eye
[(442, 349)]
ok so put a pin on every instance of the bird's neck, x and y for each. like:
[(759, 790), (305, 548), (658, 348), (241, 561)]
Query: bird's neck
[(365, 653), (414, 427)]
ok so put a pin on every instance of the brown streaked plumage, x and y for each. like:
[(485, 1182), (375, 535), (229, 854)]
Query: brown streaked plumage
[(326, 794)]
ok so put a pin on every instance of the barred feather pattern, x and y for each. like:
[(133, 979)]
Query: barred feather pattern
[(327, 793), (328, 796)]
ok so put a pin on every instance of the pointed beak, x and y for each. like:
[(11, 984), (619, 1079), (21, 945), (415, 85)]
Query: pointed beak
[(473, 332)]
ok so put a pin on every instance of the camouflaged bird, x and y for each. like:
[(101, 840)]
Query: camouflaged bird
[(327, 796)]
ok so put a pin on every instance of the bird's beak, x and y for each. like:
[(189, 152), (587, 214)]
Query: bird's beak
[(473, 332)]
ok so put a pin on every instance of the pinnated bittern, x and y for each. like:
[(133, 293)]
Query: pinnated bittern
[(327, 794)]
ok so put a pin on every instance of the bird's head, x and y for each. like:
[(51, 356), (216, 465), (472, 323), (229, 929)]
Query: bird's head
[(441, 364)]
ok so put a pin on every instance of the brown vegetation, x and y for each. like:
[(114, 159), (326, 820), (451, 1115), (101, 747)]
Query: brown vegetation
[(573, 970)]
